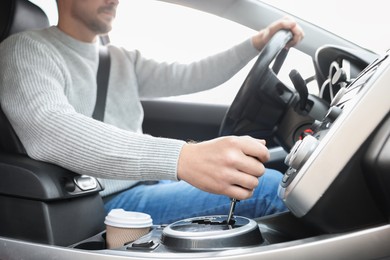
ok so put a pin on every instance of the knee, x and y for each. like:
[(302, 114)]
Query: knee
[(269, 184), (272, 176)]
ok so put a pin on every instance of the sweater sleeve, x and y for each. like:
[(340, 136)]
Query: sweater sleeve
[(33, 98), (170, 79)]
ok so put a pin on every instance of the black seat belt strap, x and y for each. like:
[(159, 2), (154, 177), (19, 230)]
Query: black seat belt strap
[(102, 77)]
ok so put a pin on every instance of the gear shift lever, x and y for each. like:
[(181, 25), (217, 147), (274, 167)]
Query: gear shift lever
[(231, 211)]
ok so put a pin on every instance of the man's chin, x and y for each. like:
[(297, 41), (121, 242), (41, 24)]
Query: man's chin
[(101, 28)]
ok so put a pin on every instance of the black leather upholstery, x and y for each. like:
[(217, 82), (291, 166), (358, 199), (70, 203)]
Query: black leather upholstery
[(16, 16), (9, 141)]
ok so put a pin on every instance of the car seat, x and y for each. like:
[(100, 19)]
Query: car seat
[(17, 16), (41, 202)]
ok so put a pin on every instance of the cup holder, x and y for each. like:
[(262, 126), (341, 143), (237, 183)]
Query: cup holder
[(91, 245), (97, 242)]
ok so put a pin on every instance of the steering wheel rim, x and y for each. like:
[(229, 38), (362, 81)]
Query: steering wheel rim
[(242, 117)]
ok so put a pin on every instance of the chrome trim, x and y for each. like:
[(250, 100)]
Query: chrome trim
[(214, 234)]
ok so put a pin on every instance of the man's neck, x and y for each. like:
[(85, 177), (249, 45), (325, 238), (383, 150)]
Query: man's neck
[(77, 32)]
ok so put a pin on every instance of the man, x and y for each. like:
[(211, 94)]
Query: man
[(48, 92)]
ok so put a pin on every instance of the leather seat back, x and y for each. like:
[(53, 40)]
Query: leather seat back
[(16, 16)]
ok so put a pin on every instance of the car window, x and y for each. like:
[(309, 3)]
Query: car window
[(50, 8), (363, 23), (168, 32)]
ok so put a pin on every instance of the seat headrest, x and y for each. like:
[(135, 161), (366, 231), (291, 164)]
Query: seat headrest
[(20, 15)]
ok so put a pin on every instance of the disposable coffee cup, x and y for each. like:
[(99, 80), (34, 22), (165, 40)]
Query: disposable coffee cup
[(123, 227)]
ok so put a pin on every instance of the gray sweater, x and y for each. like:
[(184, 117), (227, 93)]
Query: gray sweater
[(48, 92)]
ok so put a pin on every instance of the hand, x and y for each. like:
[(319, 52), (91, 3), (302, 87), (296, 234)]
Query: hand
[(227, 165), (263, 36)]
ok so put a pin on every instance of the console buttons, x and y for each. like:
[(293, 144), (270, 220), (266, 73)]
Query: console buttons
[(333, 114), (144, 245), (288, 177), (294, 149), (301, 152)]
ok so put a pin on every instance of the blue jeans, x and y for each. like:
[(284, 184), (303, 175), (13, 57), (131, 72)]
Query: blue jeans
[(169, 201)]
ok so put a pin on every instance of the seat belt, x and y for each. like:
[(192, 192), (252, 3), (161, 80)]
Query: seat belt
[(102, 77)]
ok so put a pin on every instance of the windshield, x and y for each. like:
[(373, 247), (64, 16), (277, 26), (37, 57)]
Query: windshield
[(361, 22)]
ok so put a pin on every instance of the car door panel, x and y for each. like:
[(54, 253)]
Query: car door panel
[(181, 120)]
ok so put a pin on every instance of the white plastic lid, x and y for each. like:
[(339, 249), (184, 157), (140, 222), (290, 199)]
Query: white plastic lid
[(128, 219)]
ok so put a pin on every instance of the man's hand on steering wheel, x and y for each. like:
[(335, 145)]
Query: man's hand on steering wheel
[(264, 107), (287, 23)]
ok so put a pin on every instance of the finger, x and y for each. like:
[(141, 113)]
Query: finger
[(238, 192), (250, 166), (298, 35), (244, 180), (255, 148), (284, 23), (287, 23)]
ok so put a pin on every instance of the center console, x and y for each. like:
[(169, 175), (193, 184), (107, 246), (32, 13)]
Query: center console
[(329, 183)]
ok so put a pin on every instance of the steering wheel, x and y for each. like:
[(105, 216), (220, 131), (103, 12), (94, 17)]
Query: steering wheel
[(264, 107)]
